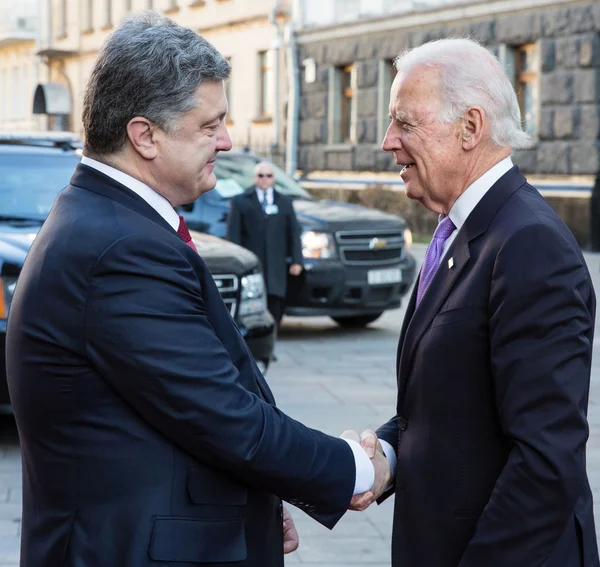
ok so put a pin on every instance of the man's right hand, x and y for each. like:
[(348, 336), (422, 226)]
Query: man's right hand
[(369, 442)]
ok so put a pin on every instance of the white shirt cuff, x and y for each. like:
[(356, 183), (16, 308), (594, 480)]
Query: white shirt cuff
[(365, 471), (391, 457)]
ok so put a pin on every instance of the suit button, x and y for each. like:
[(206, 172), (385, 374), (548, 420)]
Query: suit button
[(402, 423), (311, 508)]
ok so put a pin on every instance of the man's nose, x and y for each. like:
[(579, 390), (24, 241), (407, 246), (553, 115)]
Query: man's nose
[(224, 143), (389, 142)]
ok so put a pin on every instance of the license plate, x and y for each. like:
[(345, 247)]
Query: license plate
[(378, 277)]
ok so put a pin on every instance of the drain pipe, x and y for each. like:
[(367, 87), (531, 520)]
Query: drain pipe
[(276, 111), (293, 110)]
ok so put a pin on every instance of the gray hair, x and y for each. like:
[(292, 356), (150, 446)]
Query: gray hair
[(471, 76), (149, 67), (262, 164)]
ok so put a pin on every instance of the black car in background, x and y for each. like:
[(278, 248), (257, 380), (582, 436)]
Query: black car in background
[(34, 167), (357, 260)]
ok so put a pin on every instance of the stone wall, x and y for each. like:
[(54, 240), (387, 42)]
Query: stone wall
[(569, 89), (575, 211)]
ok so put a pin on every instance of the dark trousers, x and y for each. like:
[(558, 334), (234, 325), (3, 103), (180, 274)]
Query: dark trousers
[(276, 306)]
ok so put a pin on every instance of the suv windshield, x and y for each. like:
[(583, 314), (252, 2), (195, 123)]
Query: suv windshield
[(235, 173), (29, 184)]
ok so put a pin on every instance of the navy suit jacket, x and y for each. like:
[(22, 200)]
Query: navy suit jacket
[(149, 436), (493, 383)]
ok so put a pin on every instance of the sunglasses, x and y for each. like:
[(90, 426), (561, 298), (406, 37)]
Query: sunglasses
[(261, 175)]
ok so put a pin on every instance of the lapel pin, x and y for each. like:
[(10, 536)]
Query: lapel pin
[(451, 263)]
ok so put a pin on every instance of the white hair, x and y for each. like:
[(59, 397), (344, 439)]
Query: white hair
[(262, 164), (471, 76)]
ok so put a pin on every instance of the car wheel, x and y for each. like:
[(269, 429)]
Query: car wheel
[(357, 321)]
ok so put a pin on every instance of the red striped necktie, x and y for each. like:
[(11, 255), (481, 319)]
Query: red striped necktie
[(184, 234)]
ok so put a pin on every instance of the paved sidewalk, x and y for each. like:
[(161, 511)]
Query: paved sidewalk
[(331, 379)]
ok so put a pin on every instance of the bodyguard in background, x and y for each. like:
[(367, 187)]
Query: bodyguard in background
[(263, 221)]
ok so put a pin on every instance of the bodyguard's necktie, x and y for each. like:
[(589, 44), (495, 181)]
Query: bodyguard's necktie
[(263, 201), (184, 234), (434, 254)]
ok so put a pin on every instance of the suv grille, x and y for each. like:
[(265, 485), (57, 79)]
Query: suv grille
[(228, 286), (370, 246)]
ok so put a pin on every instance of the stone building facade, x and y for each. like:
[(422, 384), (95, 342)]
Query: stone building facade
[(248, 34), (550, 49)]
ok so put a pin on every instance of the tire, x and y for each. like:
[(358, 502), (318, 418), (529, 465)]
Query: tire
[(357, 321)]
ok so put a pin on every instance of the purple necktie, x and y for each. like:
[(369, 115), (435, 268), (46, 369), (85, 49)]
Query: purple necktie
[(434, 254)]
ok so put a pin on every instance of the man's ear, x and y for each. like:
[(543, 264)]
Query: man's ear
[(472, 128), (140, 132)]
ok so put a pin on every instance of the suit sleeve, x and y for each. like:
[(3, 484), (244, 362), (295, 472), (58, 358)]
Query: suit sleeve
[(389, 432), (295, 245), (234, 223), (541, 324), (148, 334)]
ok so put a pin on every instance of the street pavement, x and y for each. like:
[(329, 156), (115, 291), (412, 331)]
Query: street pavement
[(331, 379)]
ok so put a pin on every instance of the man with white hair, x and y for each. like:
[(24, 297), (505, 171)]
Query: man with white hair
[(263, 220), (495, 351)]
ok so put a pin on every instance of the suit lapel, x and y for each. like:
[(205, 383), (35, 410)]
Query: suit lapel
[(417, 320), (95, 181)]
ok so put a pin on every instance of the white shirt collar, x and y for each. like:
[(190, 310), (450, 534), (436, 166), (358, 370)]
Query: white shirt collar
[(464, 205), (154, 199), (270, 196)]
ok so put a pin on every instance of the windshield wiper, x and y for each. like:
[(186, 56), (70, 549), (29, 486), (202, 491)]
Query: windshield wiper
[(12, 218)]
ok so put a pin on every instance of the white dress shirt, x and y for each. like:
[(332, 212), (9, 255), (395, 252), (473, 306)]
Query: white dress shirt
[(365, 472), (268, 191), (464, 205)]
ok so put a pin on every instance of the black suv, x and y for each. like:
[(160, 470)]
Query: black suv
[(357, 260), (34, 167)]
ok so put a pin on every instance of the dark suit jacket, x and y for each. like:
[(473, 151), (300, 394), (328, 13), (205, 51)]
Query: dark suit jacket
[(275, 239), (149, 436), (493, 378)]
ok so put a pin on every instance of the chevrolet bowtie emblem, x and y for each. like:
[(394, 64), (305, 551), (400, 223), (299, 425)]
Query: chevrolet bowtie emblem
[(451, 263), (377, 243)]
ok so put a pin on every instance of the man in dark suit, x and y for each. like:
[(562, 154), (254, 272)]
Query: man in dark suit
[(149, 436), (264, 221), (494, 358)]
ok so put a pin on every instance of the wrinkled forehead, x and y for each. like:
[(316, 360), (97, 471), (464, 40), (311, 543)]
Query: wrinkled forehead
[(414, 89)]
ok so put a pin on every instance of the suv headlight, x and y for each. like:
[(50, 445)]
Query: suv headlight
[(408, 239), (319, 245), (7, 285), (253, 299)]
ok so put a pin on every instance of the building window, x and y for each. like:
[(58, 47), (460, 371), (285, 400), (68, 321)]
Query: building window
[(348, 104), (89, 16), (108, 14), (526, 85), (128, 6), (521, 64), (173, 5), (342, 115), (15, 113), (62, 31), (264, 81), (385, 78), (150, 4)]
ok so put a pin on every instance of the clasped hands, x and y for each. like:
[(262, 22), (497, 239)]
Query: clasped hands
[(369, 442)]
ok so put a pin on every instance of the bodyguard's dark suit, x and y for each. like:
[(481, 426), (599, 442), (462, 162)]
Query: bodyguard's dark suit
[(273, 238), (149, 437), (493, 380)]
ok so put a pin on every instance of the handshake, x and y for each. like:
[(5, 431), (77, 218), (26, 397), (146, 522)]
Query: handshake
[(372, 447)]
